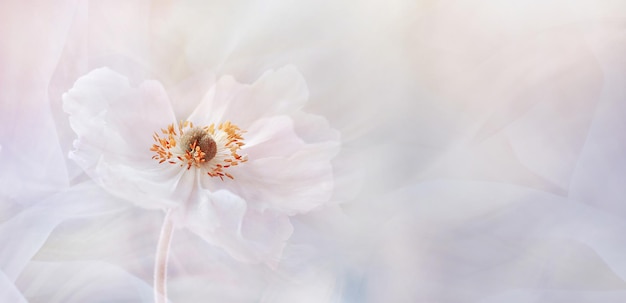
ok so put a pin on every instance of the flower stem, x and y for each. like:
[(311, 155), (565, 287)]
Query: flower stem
[(160, 263)]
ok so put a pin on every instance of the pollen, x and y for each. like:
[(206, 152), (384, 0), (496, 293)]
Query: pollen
[(198, 138), (213, 148)]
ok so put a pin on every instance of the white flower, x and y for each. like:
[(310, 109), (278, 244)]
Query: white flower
[(233, 171)]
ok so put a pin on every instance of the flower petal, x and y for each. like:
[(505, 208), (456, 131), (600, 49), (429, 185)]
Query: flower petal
[(186, 94), (223, 219), (26, 232), (114, 123), (272, 137), (313, 128), (291, 185), (274, 93), (267, 233), (284, 172)]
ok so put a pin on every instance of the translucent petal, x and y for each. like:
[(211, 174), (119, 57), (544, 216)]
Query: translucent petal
[(274, 93), (283, 172), (26, 232), (222, 218), (114, 123)]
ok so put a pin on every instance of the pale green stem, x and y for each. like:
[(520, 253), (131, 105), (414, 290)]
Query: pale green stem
[(160, 263)]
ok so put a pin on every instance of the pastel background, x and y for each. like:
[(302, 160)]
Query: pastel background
[(483, 149)]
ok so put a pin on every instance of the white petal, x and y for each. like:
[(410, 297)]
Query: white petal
[(314, 129), (222, 218), (272, 137), (186, 94), (26, 232), (150, 187), (267, 233), (283, 171), (114, 123), (292, 185), (107, 114), (276, 92)]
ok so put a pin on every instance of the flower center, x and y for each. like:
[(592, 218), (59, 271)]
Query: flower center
[(197, 138), (211, 148)]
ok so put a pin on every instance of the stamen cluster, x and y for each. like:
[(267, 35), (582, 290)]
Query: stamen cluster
[(209, 147)]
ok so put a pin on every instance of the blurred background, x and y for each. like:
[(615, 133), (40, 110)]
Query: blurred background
[(483, 149)]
